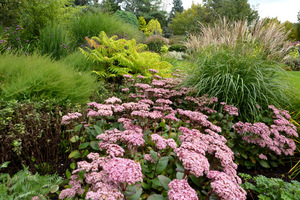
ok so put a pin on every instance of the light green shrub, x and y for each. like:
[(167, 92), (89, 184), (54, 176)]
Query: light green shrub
[(25, 77), (78, 61)]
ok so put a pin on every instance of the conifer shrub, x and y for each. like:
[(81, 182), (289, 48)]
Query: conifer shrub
[(127, 17), (36, 76)]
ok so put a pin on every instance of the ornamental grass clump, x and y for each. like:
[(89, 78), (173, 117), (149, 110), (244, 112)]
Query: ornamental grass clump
[(242, 80), (148, 145)]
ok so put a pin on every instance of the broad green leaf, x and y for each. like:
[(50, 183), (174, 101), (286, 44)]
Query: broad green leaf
[(78, 127), (68, 174), (154, 155), (73, 165), (74, 139), (54, 188), (179, 175), (81, 175), (74, 154), (155, 183), (195, 180), (179, 168), (156, 197), (137, 195), (162, 164), (146, 186), (94, 145), (164, 181), (84, 145), (98, 129), (264, 163)]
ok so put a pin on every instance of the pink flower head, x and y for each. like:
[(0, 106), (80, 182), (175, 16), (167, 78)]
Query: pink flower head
[(125, 89), (127, 76), (153, 70), (123, 170), (263, 157), (223, 186), (156, 76), (181, 190), (163, 101), (142, 86), (66, 118), (113, 100), (140, 76)]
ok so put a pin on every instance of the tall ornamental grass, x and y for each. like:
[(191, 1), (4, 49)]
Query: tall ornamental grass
[(55, 41), (248, 81), (268, 38), (91, 24), (25, 77)]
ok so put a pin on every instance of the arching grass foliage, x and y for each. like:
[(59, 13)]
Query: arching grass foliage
[(24, 77)]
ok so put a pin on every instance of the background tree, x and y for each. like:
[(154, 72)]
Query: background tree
[(188, 20), (9, 12), (149, 9), (109, 6), (177, 7), (127, 17), (233, 10)]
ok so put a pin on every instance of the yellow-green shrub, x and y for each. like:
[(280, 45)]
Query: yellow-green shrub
[(113, 58)]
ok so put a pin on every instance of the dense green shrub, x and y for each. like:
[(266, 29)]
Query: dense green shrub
[(91, 24), (54, 41), (40, 77), (24, 185), (127, 17), (178, 48), (271, 188), (34, 15), (155, 42), (243, 80)]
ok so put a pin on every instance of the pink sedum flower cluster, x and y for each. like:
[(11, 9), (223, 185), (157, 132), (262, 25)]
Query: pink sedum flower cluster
[(106, 176), (274, 137), (181, 190), (225, 188), (70, 116), (122, 170)]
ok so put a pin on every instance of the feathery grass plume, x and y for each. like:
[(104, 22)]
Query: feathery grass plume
[(269, 39)]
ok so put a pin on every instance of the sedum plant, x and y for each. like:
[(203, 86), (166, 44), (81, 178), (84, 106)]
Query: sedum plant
[(114, 57), (151, 148)]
